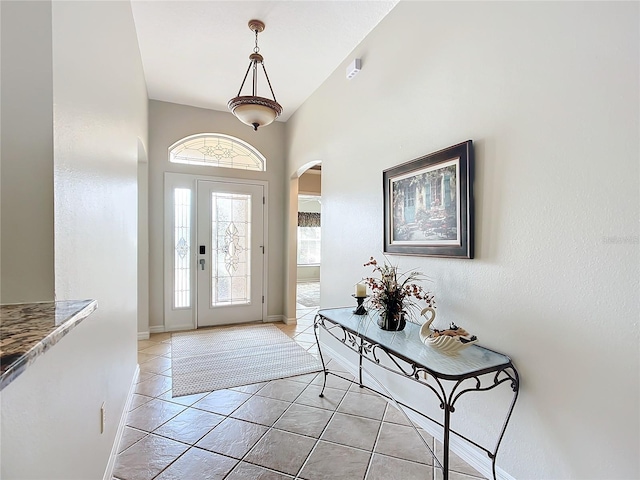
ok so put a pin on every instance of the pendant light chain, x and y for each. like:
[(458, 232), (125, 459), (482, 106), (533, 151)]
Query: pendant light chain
[(254, 110), (256, 49)]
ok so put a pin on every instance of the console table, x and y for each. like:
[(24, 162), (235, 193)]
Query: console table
[(474, 369)]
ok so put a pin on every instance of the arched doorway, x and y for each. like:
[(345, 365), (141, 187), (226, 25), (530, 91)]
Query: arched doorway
[(303, 257)]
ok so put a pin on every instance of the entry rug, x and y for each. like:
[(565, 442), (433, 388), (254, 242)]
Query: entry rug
[(224, 357)]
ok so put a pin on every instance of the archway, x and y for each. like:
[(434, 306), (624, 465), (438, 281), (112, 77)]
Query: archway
[(292, 238)]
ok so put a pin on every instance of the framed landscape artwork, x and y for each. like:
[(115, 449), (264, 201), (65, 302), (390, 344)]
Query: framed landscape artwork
[(428, 204)]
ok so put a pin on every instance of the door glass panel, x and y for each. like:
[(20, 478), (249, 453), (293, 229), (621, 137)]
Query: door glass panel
[(231, 250), (181, 242)]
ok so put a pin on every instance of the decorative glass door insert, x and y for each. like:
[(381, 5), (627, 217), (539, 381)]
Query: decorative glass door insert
[(229, 252), (231, 248)]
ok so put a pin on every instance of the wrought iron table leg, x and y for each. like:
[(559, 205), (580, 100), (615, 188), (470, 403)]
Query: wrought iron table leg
[(324, 367), (360, 365), (445, 443)]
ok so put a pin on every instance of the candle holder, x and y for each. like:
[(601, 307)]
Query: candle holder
[(360, 310)]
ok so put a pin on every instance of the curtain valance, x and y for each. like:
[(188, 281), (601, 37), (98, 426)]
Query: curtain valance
[(308, 219)]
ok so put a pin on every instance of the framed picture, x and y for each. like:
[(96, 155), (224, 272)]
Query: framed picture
[(428, 204)]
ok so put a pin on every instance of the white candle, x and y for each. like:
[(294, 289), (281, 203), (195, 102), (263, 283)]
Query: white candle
[(361, 290)]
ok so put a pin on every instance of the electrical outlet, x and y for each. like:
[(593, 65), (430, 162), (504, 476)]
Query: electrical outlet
[(103, 418)]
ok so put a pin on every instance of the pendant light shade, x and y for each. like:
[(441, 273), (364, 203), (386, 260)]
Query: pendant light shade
[(252, 109)]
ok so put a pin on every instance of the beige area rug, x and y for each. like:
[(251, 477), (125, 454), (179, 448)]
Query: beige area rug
[(224, 357)]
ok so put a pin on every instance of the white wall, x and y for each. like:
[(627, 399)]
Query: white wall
[(26, 206), (549, 93), (143, 242), (50, 414), (170, 122)]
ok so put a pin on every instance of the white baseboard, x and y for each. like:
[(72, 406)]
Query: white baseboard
[(290, 321), (108, 474), (460, 447), (156, 329), (276, 318), (143, 335)]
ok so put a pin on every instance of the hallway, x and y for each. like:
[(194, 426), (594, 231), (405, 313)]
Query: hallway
[(275, 430)]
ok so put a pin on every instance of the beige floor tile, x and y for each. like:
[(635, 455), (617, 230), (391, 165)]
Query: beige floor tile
[(393, 415), (330, 399), (198, 464), (306, 378), (153, 386), (247, 471), (156, 365), (157, 349), (262, 410), (159, 337), (145, 357), (456, 464), (138, 400), (304, 420), (189, 426), (281, 451), (334, 381), (232, 437), (305, 337), (403, 442), (304, 344), (142, 344), (186, 400), (129, 437), (363, 404), (391, 468), (222, 402), (145, 376), (252, 388), (453, 475), (329, 461), (352, 431), (152, 414), (284, 389), (146, 458)]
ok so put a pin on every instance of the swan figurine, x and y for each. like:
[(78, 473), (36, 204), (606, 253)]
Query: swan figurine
[(450, 341)]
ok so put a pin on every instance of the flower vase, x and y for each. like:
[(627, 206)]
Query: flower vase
[(393, 321)]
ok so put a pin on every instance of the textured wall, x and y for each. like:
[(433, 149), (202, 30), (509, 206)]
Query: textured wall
[(548, 92), (50, 414), (26, 206)]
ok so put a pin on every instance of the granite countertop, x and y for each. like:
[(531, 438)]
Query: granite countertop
[(27, 330)]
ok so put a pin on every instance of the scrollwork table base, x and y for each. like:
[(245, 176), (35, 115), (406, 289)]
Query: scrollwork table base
[(474, 369)]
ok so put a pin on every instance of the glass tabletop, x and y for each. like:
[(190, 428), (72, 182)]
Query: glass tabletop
[(473, 360)]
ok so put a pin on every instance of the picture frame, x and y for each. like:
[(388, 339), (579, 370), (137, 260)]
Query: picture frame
[(428, 204)]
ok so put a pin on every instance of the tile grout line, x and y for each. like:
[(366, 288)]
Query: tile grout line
[(375, 443), (191, 406), (315, 445), (269, 429)]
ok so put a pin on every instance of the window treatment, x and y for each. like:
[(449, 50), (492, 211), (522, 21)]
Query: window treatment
[(308, 219)]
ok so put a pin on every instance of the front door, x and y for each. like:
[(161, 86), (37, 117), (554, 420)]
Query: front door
[(229, 252)]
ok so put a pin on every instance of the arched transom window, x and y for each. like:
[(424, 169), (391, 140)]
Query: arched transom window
[(217, 150)]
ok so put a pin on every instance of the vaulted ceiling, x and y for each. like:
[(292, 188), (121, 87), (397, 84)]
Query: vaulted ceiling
[(197, 52)]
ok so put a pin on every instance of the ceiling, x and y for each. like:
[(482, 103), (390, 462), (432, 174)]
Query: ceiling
[(197, 52)]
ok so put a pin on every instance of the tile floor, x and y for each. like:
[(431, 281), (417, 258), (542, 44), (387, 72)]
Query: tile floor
[(270, 431)]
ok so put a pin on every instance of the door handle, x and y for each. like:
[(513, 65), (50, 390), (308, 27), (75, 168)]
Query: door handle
[(202, 263)]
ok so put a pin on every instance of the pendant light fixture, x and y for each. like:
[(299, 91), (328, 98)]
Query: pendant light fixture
[(251, 109)]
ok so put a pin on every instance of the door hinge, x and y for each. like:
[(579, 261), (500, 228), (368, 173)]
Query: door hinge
[(262, 298), (263, 200)]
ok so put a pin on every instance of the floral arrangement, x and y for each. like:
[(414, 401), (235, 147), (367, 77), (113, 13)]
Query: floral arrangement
[(395, 293)]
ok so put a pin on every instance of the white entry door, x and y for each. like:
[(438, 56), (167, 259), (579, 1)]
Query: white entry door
[(229, 252)]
